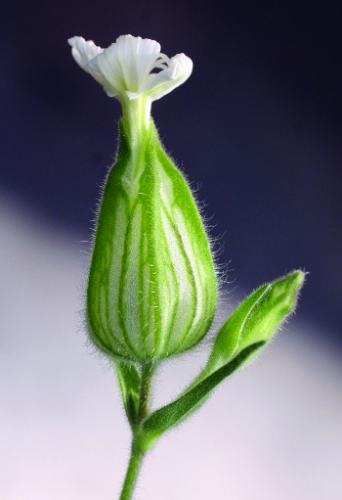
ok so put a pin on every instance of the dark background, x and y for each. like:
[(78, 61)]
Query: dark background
[(257, 128)]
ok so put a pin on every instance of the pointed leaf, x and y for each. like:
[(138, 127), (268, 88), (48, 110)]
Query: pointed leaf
[(256, 319)]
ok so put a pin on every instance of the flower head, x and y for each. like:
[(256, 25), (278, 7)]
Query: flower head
[(131, 67)]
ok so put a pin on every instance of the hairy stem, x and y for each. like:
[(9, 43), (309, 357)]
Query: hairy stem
[(136, 458)]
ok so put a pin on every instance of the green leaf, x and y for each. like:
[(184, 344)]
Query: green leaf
[(172, 414), (130, 384), (256, 319)]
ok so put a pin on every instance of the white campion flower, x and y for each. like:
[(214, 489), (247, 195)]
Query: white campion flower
[(131, 67)]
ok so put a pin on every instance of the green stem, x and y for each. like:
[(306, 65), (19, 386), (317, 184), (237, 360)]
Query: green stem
[(137, 455), (132, 474)]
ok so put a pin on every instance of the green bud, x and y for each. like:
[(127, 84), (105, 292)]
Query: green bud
[(152, 288)]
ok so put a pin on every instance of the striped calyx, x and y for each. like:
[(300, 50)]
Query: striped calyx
[(152, 287)]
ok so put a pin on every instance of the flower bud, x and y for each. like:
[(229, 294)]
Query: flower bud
[(152, 287)]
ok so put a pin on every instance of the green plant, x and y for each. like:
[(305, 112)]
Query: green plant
[(152, 288)]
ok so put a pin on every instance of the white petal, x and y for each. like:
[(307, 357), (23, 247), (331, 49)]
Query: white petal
[(178, 71), (83, 51), (125, 68), (125, 65), (137, 57), (106, 66)]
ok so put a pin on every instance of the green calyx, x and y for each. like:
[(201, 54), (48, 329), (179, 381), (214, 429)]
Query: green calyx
[(152, 289)]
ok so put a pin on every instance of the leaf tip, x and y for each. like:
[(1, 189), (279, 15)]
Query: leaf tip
[(298, 277)]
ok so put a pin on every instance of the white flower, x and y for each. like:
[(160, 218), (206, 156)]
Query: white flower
[(132, 66)]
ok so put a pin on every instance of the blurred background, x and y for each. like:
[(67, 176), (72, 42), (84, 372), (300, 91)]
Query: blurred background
[(257, 130)]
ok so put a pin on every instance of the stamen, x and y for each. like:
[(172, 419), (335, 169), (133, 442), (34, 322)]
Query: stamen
[(162, 62)]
